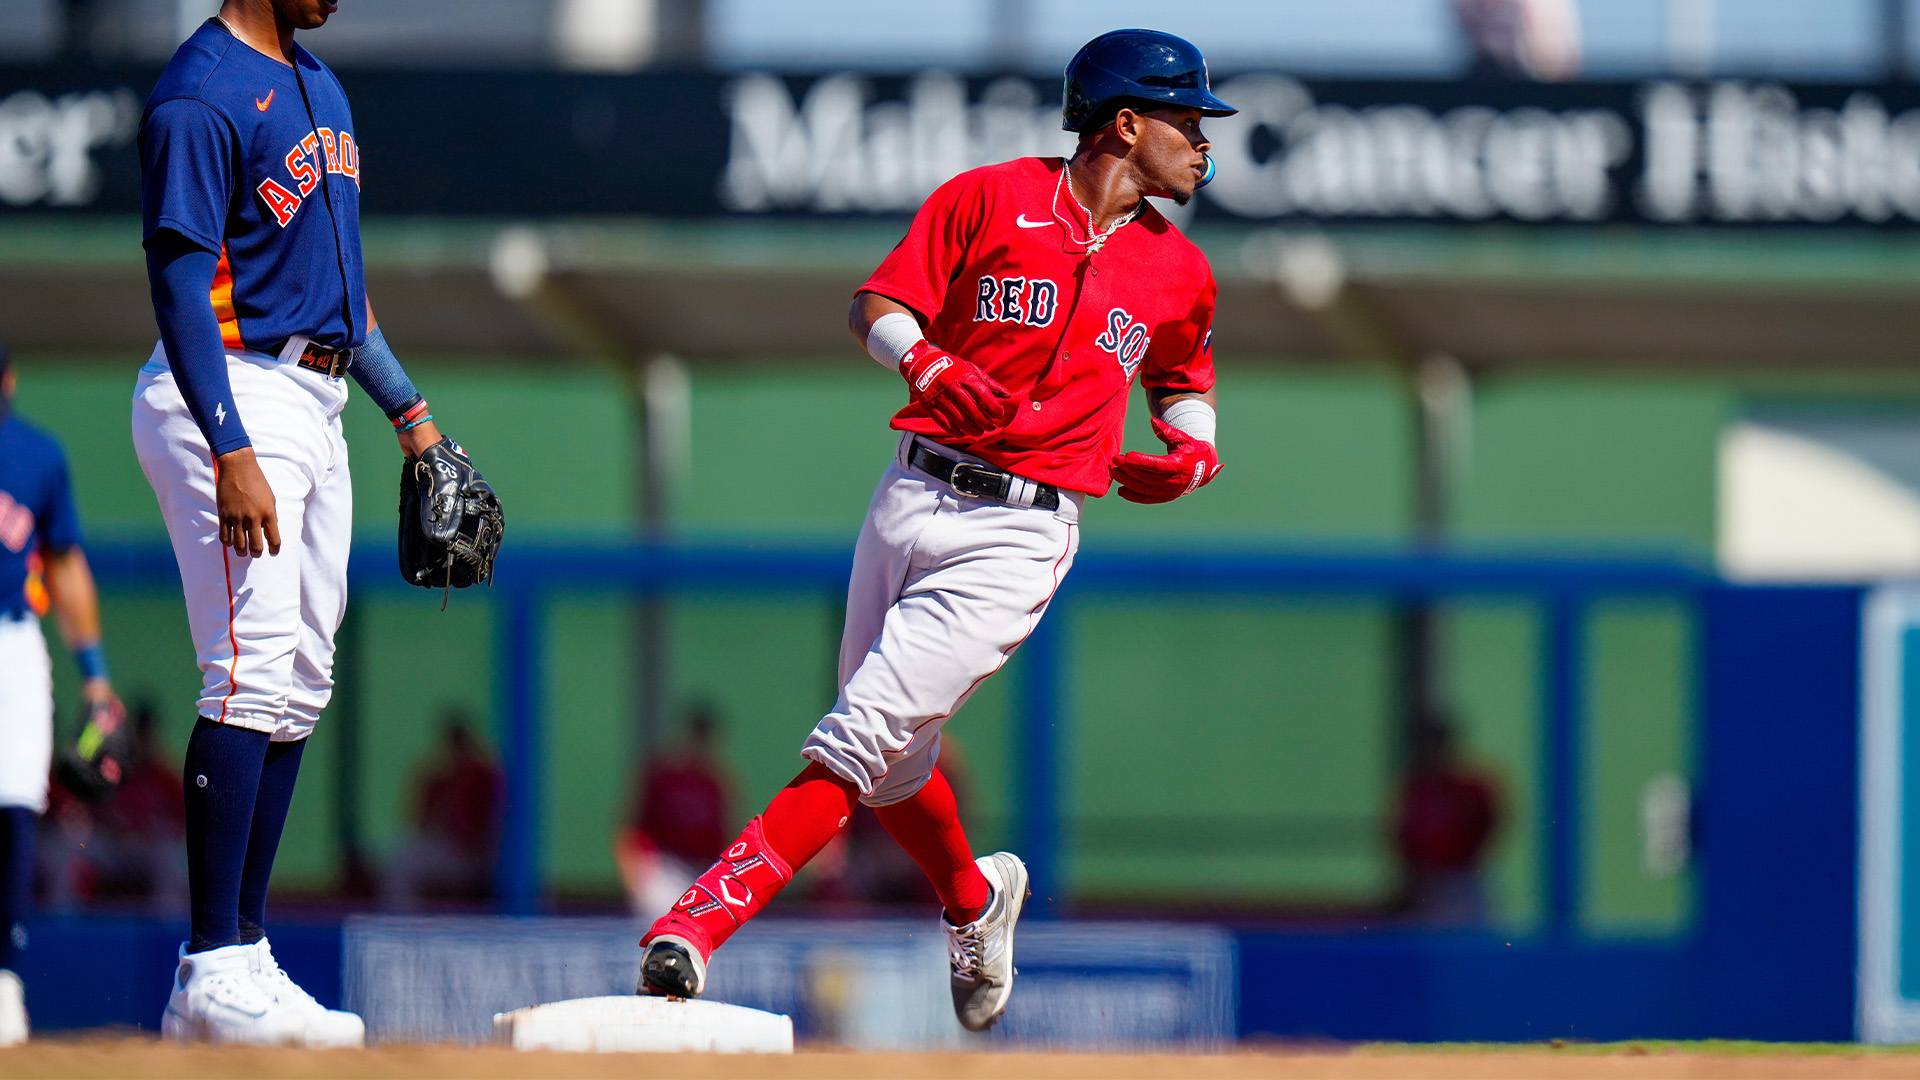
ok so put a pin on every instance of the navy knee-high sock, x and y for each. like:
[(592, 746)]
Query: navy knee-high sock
[(16, 878), (277, 774), (222, 778)]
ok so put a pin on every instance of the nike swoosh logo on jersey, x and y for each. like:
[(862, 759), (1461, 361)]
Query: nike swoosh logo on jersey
[(262, 103), (1025, 224)]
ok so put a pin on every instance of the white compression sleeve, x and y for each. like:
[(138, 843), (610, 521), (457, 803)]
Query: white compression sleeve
[(893, 334), (1193, 416)]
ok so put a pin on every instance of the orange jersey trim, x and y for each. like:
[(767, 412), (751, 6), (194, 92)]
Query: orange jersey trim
[(222, 296)]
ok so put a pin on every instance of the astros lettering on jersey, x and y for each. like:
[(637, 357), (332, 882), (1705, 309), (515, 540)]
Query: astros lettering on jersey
[(287, 226), (1001, 262)]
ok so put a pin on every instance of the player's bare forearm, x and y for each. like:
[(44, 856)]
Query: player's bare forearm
[(76, 609), (867, 309), (76, 602), (249, 518), (1158, 400)]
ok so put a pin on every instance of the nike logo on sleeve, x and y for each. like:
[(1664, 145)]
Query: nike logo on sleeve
[(1025, 224)]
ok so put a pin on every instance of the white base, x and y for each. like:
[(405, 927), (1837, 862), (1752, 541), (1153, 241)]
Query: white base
[(633, 1023)]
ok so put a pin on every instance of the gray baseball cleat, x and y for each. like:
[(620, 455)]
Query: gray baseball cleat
[(981, 952), (672, 967)]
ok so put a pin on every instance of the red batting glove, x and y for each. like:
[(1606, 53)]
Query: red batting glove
[(961, 396), (1149, 478)]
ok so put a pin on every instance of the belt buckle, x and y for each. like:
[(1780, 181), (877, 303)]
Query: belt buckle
[(989, 478), (333, 363)]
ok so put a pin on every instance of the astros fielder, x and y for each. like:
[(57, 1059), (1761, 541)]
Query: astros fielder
[(251, 218), (42, 566), (1025, 301)]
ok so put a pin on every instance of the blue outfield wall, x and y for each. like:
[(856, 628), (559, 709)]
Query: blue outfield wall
[(99, 971), (1776, 825), (1771, 955)]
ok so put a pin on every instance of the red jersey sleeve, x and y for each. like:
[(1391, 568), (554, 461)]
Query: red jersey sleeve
[(1180, 357), (919, 269)]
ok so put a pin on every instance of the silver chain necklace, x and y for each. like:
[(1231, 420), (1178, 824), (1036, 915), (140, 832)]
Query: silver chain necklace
[(1096, 240)]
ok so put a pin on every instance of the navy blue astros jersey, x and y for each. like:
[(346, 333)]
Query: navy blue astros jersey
[(254, 159), (36, 512)]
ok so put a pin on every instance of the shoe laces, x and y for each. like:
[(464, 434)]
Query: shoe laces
[(963, 949), (284, 988), (234, 990)]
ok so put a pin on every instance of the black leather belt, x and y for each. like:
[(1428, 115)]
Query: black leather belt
[(982, 481), (332, 363)]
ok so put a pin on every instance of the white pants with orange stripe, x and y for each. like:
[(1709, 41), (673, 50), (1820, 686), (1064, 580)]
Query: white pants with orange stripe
[(262, 627), (945, 586)]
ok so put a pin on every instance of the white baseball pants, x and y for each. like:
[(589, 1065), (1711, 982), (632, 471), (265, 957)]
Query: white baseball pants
[(262, 627), (26, 714), (945, 586)]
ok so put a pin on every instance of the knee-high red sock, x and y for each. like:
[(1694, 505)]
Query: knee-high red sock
[(928, 826), (796, 825), (807, 813)]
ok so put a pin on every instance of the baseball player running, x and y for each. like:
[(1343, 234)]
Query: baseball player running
[(41, 565), (251, 212), (1022, 305)]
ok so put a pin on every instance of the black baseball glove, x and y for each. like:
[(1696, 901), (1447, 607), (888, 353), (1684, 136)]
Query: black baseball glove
[(450, 520), (94, 763)]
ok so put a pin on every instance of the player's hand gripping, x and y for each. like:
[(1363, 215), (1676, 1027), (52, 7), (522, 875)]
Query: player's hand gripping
[(964, 398), (1157, 478), (249, 521)]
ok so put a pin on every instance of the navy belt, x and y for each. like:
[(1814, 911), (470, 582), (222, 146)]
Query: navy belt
[(982, 481)]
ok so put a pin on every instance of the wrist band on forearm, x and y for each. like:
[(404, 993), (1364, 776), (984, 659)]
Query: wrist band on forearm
[(1193, 416), (409, 414), (415, 415), (892, 337), (92, 660)]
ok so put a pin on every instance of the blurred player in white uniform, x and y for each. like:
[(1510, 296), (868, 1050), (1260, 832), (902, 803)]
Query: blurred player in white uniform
[(42, 567)]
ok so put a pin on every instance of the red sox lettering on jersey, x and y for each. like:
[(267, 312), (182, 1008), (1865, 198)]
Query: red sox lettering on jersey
[(997, 265), (1016, 300), (342, 158), (1126, 340)]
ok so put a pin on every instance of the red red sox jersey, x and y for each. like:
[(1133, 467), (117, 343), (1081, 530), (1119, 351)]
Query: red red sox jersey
[(1000, 263)]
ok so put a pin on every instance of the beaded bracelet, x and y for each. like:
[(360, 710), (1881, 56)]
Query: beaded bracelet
[(416, 422)]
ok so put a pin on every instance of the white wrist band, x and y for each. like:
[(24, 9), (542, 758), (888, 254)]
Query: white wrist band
[(1193, 416), (892, 336)]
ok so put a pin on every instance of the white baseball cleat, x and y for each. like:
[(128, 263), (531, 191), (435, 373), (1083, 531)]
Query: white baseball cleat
[(981, 952), (13, 1009), (215, 999), (327, 1029)]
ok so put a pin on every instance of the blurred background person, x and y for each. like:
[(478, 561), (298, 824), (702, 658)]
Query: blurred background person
[(1521, 39), (42, 567), (129, 846), (1448, 812), (680, 819), (452, 848)]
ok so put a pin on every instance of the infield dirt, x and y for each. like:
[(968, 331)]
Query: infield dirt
[(113, 1057)]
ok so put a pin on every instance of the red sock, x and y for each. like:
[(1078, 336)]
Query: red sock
[(807, 813), (928, 826), (796, 825)]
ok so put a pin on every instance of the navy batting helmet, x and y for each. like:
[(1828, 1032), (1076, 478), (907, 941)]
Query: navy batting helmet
[(1122, 67)]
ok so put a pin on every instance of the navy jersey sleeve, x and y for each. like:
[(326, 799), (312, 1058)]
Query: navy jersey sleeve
[(186, 156), (59, 522)]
